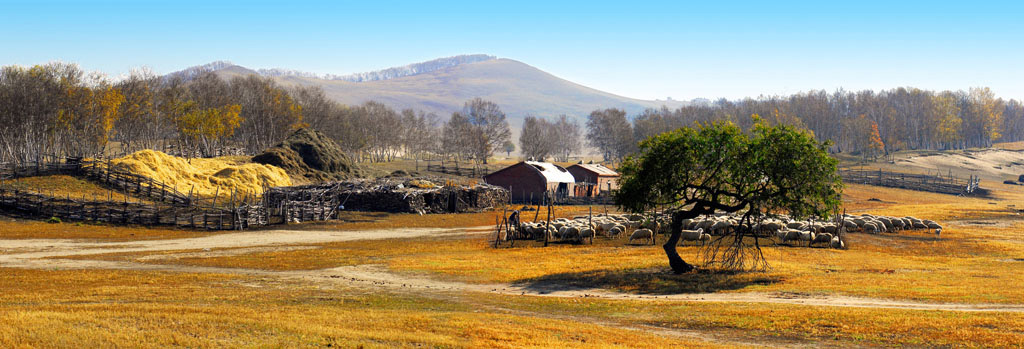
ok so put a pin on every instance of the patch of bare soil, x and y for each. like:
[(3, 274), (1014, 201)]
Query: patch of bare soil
[(989, 163)]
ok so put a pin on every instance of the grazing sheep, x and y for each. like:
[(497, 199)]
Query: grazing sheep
[(789, 235), (690, 235), (887, 223), (704, 239), (587, 233), (720, 227), (570, 233), (851, 226), (616, 231), (652, 225), (605, 227), (807, 236), (642, 233), (823, 238), (837, 242)]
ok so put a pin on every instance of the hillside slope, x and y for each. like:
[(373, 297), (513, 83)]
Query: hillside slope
[(519, 89)]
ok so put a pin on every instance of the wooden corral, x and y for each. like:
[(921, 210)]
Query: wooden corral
[(931, 183), (169, 206), (454, 168)]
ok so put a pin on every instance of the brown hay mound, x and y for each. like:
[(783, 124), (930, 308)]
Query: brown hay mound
[(203, 177), (311, 155)]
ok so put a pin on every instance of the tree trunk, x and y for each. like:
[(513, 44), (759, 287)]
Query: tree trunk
[(677, 263)]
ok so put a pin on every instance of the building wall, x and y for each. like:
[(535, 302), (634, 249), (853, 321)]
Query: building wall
[(525, 184), (604, 181), (584, 175), (521, 181)]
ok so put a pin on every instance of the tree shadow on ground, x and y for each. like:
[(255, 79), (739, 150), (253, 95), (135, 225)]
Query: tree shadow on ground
[(653, 281)]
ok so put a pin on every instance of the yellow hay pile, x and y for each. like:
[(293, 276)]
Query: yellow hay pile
[(204, 176)]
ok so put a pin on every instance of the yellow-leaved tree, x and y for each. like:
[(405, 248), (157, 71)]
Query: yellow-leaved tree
[(202, 130), (875, 145), (947, 130), (86, 116), (987, 115)]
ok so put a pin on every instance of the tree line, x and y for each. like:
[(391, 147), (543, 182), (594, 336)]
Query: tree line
[(865, 123), (58, 109)]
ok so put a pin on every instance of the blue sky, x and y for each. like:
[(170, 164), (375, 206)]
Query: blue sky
[(638, 49)]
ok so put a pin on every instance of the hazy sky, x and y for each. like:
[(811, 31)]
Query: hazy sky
[(638, 49)]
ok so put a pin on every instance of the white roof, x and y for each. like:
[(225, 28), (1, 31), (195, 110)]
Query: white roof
[(553, 173), (599, 169)]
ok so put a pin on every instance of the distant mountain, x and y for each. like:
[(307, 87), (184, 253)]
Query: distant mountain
[(442, 86), (386, 74)]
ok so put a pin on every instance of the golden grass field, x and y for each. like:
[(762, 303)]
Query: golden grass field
[(263, 297)]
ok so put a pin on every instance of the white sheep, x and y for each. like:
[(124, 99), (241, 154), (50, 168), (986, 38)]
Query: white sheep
[(642, 233), (690, 235), (837, 242), (705, 238), (616, 230), (823, 238), (586, 233)]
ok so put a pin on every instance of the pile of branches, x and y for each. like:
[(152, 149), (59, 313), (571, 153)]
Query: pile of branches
[(397, 195)]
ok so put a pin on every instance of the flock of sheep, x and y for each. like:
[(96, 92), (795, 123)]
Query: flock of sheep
[(702, 230)]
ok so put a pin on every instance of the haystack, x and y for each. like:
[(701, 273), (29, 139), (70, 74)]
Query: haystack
[(204, 177), (311, 155)]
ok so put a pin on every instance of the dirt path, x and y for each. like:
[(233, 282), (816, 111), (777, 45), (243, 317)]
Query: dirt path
[(44, 248), (378, 276), (42, 253)]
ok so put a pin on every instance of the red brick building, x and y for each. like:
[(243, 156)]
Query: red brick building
[(530, 179), (593, 179)]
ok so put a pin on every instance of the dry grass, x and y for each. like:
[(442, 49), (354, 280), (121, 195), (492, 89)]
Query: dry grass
[(978, 260), (27, 229), (971, 263), (67, 187), (133, 309), (824, 326), (1015, 146)]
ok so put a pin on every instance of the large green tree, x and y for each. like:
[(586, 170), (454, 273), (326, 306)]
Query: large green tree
[(717, 167)]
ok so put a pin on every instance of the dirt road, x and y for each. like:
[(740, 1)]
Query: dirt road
[(46, 253)]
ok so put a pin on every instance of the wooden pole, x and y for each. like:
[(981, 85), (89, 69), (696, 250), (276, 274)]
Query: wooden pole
[(590, 222), (548, 222)]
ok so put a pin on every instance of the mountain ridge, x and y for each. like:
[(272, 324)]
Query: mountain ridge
[(442, 85)]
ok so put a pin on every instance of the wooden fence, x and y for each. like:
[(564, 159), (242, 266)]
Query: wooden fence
[(101, 172), (169, 207), (453, 168), (32, 205), (945, 184)]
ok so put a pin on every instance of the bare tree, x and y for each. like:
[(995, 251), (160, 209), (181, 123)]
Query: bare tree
[(489, 129), (141, 125), (269, 112), (610, 132), (535, 140), (566, 133)]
